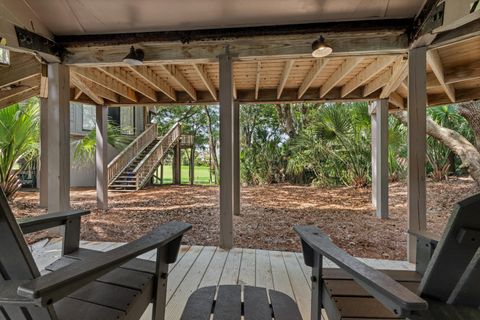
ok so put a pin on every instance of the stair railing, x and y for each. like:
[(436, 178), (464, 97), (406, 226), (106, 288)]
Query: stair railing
[(121, 161), (147, 166)]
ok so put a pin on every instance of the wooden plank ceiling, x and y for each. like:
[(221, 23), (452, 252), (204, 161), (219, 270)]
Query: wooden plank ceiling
[(453, 75)]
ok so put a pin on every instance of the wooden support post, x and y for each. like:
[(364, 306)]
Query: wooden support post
[(226, 150), (374, 145), (380, 158), (177, 164), (236, 158), (160, 302), (58, 137), (192, 165), (101, 159), (417, 101), (43, 153), (161, 173)]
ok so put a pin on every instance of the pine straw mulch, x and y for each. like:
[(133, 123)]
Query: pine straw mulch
[(268, 215)]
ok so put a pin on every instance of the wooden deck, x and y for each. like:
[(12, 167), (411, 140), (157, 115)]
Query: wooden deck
[(199, 266)]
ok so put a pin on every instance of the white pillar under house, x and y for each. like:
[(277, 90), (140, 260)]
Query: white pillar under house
[(417, 144), (58, 137), (226, 151), (236, 158), (101, 157), (379, 116), (43, 176)]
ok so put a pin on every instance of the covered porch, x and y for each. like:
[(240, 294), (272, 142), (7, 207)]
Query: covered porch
[(203, 266), (411, 56)]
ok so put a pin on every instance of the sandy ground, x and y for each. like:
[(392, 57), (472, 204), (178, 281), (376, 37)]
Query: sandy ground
[(268, 215)]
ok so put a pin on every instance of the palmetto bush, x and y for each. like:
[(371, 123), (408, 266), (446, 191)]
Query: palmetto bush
[(335, 145), (19, 132)]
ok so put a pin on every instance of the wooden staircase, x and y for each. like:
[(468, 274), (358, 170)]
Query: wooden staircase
[(135, 165)]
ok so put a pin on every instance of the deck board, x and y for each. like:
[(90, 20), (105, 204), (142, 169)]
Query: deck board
[(199, 266)]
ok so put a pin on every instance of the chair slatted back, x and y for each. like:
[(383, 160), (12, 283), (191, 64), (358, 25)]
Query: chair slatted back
[(16, 263), (454, 252)]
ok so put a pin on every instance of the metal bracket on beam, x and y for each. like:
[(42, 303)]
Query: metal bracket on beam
[(35, 42)]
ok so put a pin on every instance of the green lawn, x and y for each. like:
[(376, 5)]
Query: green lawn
[(201, 175)]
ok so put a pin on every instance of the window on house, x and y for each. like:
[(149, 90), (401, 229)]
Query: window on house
[(127, 120), (4, 57), (88, 117)]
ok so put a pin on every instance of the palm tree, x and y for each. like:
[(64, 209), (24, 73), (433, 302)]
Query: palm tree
[(19, 136), (85, 148)]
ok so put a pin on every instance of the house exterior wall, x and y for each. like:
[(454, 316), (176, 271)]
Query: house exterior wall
[(83, 174)]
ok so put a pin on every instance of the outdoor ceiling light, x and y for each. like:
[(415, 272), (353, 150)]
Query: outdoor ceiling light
[(320, 48), (134, 57)]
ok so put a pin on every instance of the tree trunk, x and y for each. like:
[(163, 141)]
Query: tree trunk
[(286, 119), (471, 112), (457, 143), (211, 144)]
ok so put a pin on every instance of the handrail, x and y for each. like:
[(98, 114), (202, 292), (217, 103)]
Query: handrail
[(121, 161), (146, 167)]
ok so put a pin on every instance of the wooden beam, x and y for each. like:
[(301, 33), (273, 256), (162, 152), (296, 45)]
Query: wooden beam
[(465, 32), (19, 97), (417, 122), (399, 73), (202, 72), (435, 62), (121, 75), (226, 151), (44, 81), (257, 79), (166, 48), (180, 79), (14, 14), (377, 83), (19, 87), (22, 67), (397, 100), (318, 66), (235, 93), (77, 82), (77, 94), (380, 163), (367, 74), (342, 71), (154, 80), (102, 79), (467, 72), (85, 85), (283, 80)]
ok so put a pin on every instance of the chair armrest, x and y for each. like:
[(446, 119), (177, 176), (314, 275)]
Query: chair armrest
[(9, 295), (429, 236), (50, 220), (390, 293), (51, 287)]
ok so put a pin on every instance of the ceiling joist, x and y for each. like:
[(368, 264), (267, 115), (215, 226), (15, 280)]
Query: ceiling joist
[(283, 80), (202, 72), (19, 96), (257, 79), (318, 66), (342, 71), (125, 77), (107, 82), (154, 80), (377, 83), (367, 74), (180, 79), (435, 62), (87, 90), (399, 73)]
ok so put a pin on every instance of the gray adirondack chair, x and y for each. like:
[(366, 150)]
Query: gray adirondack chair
[(83, 284), (445, 285)]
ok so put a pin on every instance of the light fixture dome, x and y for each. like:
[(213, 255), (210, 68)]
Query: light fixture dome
[(320, 48), (134, 57)]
